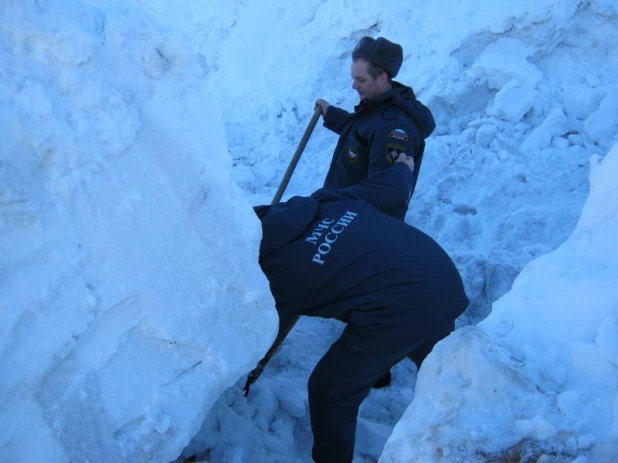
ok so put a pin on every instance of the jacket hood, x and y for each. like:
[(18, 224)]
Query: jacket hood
[(403, 98), (284, 222)]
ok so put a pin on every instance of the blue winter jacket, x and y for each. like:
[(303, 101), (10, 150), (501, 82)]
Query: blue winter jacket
[(344, 254), (379, 130)]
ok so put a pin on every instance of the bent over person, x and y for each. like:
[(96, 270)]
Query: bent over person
[(342, 254), (387, 122)]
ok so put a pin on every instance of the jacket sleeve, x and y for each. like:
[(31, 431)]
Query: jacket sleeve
[(389, 140), (335, 119), (389, 190)]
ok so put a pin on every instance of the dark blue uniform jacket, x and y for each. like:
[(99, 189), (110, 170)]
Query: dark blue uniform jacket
[(371, 138), (343, 254)]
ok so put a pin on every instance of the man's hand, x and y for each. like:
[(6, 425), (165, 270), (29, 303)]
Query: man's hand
[(407, 160), (323, 104)]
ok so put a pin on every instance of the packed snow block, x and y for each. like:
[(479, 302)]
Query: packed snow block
[(554, 125), (602, 125), (538, 375), (607, 340), (499, 69), (462, 373), (514, 77), (513, 102), (580, 101), (485, 134), (606, 8), (131, 295)]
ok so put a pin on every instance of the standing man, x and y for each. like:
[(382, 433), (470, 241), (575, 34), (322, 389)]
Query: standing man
[(388, 121), (345, 254)]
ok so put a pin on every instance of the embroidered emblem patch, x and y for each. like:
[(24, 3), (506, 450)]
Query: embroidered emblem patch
[(393, 151), (353, 156), (399, 134)]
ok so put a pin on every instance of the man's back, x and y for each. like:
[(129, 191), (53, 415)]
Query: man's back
[(351, 256)]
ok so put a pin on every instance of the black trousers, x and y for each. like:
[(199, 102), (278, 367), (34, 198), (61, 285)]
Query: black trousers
[(344, 376)]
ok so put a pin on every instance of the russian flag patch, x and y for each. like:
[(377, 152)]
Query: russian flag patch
[(399, 134)]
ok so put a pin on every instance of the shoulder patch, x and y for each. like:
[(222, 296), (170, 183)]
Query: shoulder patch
[(353, 155), (393, 151), (399, 134)]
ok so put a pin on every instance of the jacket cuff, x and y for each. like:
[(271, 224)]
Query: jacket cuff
[(335, 119)]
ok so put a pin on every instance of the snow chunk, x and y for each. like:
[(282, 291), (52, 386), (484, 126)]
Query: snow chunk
[(607, 340), (73, 46), (553, 126), (499, 69), (580, 101), (513, 102), (605, 8), (602, 125), (485, 134)]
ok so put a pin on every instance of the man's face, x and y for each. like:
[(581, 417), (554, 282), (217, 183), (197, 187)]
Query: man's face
[(366, 86)]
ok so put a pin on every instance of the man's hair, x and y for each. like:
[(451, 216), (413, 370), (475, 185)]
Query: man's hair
[(374, 70)]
